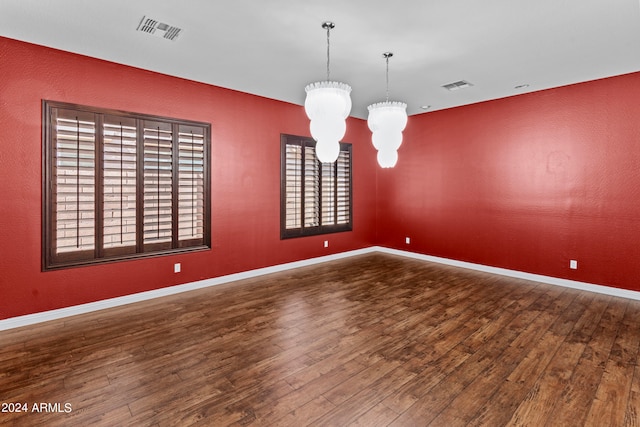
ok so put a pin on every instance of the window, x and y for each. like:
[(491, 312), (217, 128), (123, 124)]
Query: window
[(121, 185), (315, 197)]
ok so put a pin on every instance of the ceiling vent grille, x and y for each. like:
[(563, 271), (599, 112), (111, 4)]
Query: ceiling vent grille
[(158, 29), (457, 85)]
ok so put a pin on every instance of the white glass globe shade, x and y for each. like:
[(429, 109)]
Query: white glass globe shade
[(329, 128), (323, 102), (384, 139), (387, 158), (373, 120), (327, 98), (387, 115), (327, 151)]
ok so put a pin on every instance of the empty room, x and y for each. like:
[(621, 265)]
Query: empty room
[(205, 218)]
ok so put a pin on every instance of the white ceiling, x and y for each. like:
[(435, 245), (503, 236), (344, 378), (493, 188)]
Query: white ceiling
[(274, 48)]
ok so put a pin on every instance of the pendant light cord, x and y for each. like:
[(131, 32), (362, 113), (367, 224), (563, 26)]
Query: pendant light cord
[(328, 60), (328, 26), (387, 57)]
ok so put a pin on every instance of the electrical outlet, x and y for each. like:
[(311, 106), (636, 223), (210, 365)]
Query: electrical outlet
[(573, 264), (177, 267), (326, 243), (407, 240)]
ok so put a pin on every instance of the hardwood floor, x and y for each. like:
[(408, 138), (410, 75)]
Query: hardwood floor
[(374, 340)]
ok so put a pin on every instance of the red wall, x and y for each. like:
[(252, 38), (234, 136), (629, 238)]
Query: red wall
[(525, 183), (245, 178)]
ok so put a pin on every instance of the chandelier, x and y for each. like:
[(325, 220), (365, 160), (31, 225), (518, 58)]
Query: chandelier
[(386, 121), (327, 105)]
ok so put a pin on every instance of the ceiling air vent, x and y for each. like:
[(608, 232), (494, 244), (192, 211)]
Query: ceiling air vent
[(457, 85), (158, 29)]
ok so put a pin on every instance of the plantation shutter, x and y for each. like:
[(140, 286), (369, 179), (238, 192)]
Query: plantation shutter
[(292, 187), (343, 187), (191, 184), (316, 197), (73, 185), (158, 184), (119, 185), (122, 185), (328, 194), (311, 189)]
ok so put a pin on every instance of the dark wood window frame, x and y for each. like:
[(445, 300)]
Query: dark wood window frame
[(140, 185), (316, 202)]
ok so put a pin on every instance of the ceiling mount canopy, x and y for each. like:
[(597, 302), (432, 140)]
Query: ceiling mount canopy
[(386, 121), (327, 105)]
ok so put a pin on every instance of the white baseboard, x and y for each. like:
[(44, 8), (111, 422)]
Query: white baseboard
[(607, 290), (45, 316)]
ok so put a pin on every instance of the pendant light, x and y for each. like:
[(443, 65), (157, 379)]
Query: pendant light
[(386, 121), (327, 105)]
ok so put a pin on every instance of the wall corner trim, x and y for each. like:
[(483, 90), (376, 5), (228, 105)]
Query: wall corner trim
[(45, 316)]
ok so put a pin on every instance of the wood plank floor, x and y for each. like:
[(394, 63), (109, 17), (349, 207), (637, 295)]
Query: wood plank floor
[(374, 340)]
